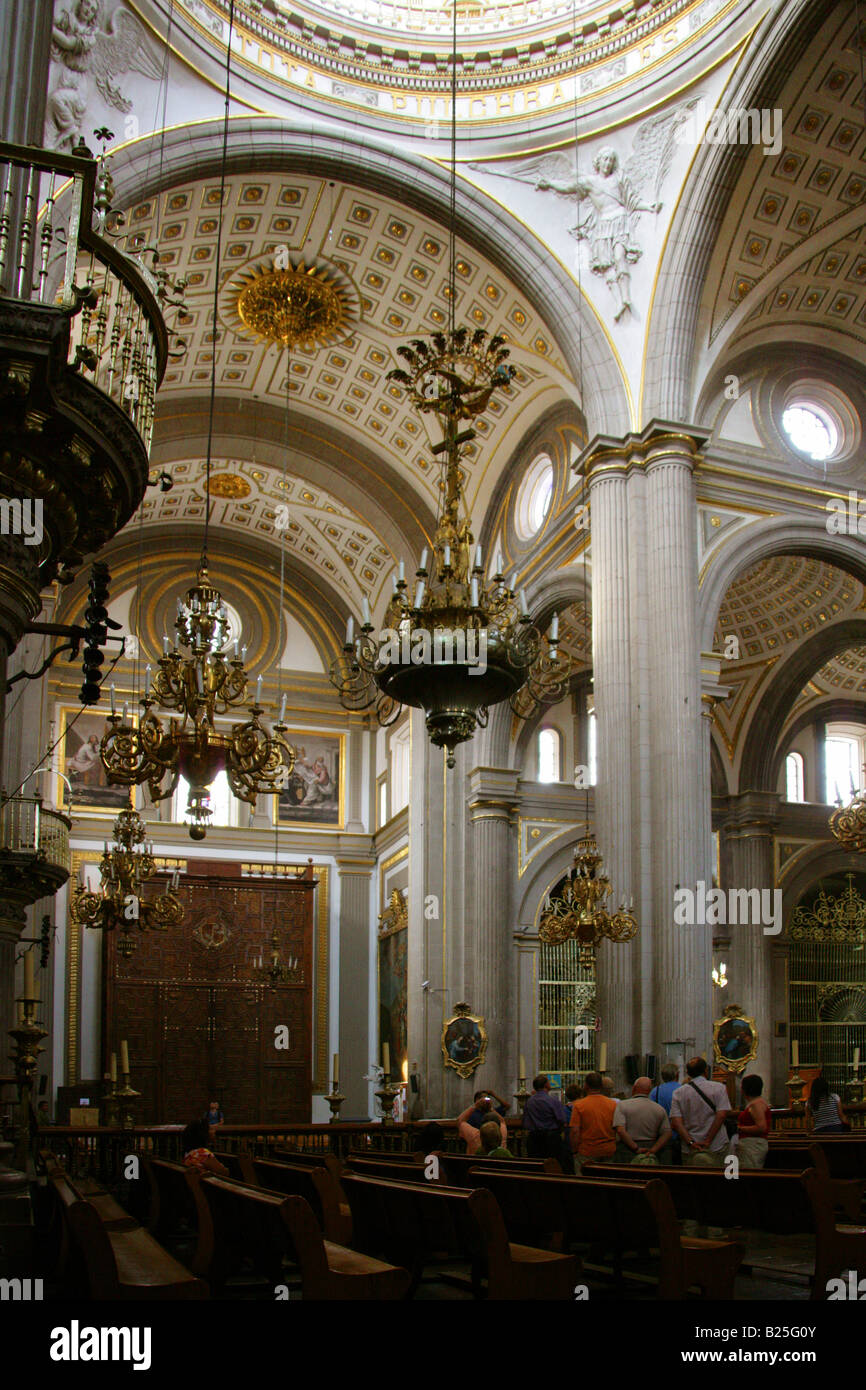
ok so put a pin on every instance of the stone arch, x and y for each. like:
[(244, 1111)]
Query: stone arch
[(776, 46), (759, 768), (481, 222), (552, 863)]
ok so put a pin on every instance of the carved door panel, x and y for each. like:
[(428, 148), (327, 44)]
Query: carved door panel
[(186, 1027)]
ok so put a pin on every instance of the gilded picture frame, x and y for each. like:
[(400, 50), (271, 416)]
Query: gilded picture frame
[(316, 793), (735, 1039), (84, 786), (464, 1041)]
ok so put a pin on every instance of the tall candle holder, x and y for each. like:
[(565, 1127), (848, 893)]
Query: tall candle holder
[(522, 1095), (335, 1100), (794, 1087), (111, 1106), (386, 1096), (126, 1099), (27, 1036)]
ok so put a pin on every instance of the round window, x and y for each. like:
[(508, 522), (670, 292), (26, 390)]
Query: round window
[(818, 421), (811, 430), (533, 499)]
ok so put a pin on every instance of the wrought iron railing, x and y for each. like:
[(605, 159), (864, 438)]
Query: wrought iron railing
[(28, 827), (118, 339)]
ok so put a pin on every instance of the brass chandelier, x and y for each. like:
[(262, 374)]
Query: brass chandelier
[(578, 913), (277, 971), (848, 823), (199, 687), (461, 642), (119, 905)]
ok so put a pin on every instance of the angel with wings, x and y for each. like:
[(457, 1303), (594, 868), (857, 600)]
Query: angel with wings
[(616, 197), (79, 48)]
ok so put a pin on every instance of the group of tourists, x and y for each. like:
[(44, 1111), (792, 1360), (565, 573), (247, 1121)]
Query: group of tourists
[(691, 1122)]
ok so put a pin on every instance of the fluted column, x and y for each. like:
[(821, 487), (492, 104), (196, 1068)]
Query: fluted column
[(357, 1049), (490, 974), (612, 656), (749, 832), (683, 953)]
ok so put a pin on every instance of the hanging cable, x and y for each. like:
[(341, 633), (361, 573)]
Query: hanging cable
[(216, 285)]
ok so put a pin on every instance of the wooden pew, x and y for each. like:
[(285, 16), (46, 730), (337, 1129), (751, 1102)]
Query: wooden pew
[(303, 1158), (175, 1200), (837, 1247), (268, 1226), (620, 1215), (319, 1188), (845, 1153), (414, 1223), (757, 1199), (456, 1167), (123, 1264), (373, 1168)]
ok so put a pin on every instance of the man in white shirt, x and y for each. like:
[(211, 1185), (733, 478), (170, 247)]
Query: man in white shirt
[(698, 1112)]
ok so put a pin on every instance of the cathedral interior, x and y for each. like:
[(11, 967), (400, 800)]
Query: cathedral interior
[(526, 327)]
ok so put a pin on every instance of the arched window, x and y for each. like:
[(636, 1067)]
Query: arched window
[(844, 754), (794, 777), (548, 745)]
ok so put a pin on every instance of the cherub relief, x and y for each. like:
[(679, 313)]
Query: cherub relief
[(80, 49)]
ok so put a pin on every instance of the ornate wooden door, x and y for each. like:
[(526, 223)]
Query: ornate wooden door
[(199, 1024)]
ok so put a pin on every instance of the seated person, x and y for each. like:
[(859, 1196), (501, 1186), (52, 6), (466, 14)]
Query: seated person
[(491, 1141), (471, 1134), (753, 1125), (196, 1153), (214, 1117)]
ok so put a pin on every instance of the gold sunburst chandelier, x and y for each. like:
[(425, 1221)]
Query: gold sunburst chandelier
[(578, 913), (119, 905), (291, 304)]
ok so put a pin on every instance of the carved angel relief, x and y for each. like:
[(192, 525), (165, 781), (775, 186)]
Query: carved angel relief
[(82, 51), (615, 196)]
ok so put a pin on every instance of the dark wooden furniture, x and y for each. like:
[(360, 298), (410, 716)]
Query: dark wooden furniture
[(319, 1188), (837, 1247)]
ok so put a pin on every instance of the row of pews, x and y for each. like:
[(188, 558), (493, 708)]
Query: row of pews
[(374, 1226)]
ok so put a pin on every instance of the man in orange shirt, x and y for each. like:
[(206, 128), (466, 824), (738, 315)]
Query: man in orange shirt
[(591, 1129)]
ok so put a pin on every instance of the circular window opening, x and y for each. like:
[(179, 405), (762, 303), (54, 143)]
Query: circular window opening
[(811, 431), (534, 497)]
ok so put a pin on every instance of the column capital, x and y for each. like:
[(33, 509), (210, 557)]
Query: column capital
[(493, 790), (659, 442), (712, 692), (752, 813)]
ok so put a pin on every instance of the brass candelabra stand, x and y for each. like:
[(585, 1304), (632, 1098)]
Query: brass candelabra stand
[(335, 1100), (27, 1036), (522, 1095), (386, 1095), (794, 1087), (123, 1100)]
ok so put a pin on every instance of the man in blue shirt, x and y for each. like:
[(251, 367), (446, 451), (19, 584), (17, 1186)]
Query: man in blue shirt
[(483, 1102), (663, 1094), (544, 1117)]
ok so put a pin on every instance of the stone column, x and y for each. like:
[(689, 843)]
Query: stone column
[(618, 1005), (683, 953), (711, 693), (25, 34), (357, 1049), (490, 965), (749, 831)]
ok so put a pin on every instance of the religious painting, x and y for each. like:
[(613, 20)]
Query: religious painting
[(86, 783), (313, 794), (393, 978), (735, 1039), (464, 1041)]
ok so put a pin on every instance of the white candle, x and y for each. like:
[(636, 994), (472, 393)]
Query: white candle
[(499, 563), (795, 1055), (112, 1071), (336, 1069), (512, 583), (146, 681), (524, 605), (366, 610), (386, 1058), (28, 976), (401, 575), (522, 1076), (164, 645), (283, 709), (111, 688), (258, 690), (446, 557), (554, 628), (474, 592), (419, 593), (350, 631), (478, 564), (422, 564), (125, 709), (124, 1057), (602, 1061)]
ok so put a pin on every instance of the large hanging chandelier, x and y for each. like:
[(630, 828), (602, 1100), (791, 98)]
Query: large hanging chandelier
[(119, 905), (203, 683), (199, 686), (460, 642), (578, 913)]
